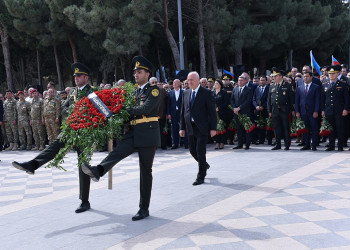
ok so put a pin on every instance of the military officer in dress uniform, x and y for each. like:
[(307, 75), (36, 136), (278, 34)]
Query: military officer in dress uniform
[(335, 103), (143, 135), (228, 88), (280, 104), (81, 75)]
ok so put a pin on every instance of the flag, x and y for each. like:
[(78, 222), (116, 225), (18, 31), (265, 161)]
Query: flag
[(314, 64), (335, 61), (228, 72)]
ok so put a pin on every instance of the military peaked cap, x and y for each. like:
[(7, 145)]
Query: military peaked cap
[(80, 69), (334, 69), (141, 62)]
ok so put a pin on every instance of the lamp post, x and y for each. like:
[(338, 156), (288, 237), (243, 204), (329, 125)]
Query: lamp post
[(181, 46)]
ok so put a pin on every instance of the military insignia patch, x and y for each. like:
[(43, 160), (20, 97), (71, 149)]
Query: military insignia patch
[(155, 92)]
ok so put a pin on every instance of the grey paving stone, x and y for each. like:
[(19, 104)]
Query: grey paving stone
[(323, 240)]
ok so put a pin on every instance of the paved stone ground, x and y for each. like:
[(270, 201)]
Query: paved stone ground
[(256, 199)]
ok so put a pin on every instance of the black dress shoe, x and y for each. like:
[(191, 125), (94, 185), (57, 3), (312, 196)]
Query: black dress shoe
[(277, 147), (208, 166), (340, 149), (84, 206), (141, 214), (301, 144), (330, 149), (286, 148), (186, 147), (314, 149), (28, 166), (174, 147), (91, 171), (306, 148), (198, 182), (246, 148), (237, 147), (273, 144)]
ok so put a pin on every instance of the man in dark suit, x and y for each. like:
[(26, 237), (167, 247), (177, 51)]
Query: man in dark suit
[(252, 86), (307, 106), (1, 121), (280, 103), (335, 103), (198, 117), (143, 136), (260, 106), (174, 110), (241, 101), (81, 75)]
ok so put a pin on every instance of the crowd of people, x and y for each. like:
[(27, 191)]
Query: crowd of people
[(31, 120)]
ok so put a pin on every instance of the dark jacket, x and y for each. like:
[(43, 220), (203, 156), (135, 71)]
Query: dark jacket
[(243, 100), (307, 105), (222, 102), (172, 103), (334, 99), (202, 111), (1, 112), (261, 100), (280, 99), (146, 134)]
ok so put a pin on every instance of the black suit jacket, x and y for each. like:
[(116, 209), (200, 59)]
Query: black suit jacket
[(172, 103), (243, 101), (203, 111), (261, 100)]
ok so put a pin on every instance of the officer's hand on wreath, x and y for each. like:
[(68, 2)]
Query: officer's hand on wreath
[(1, 123), (182, 133), (169, 117), (297, 114), (323, 114), (212, 133), (270, 114), (315, 115), (30, 123), (345, 112)]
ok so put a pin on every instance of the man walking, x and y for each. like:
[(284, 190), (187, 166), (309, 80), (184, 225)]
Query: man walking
[(198, 117)]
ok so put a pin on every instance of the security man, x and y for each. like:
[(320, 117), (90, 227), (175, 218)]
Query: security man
[(335, 103), (143, 135), (279, 104), (81, 75)]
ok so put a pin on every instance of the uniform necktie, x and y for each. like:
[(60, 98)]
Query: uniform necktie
[(192, 97)]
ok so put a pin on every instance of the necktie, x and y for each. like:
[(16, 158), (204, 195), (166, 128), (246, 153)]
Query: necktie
[(192, 97), (261, 91), (306, 88), (240, 91)]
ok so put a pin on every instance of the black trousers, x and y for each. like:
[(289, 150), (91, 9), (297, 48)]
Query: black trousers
[(197, 144), (336, 122), (146, 155), (281, 127), (243, 136), (50, 152)]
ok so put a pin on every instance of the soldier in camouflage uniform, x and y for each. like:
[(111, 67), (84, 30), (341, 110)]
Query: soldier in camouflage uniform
[(2, 126), (36, 121), (10, 120), (24, 129), (64, 105), (51, 114)]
